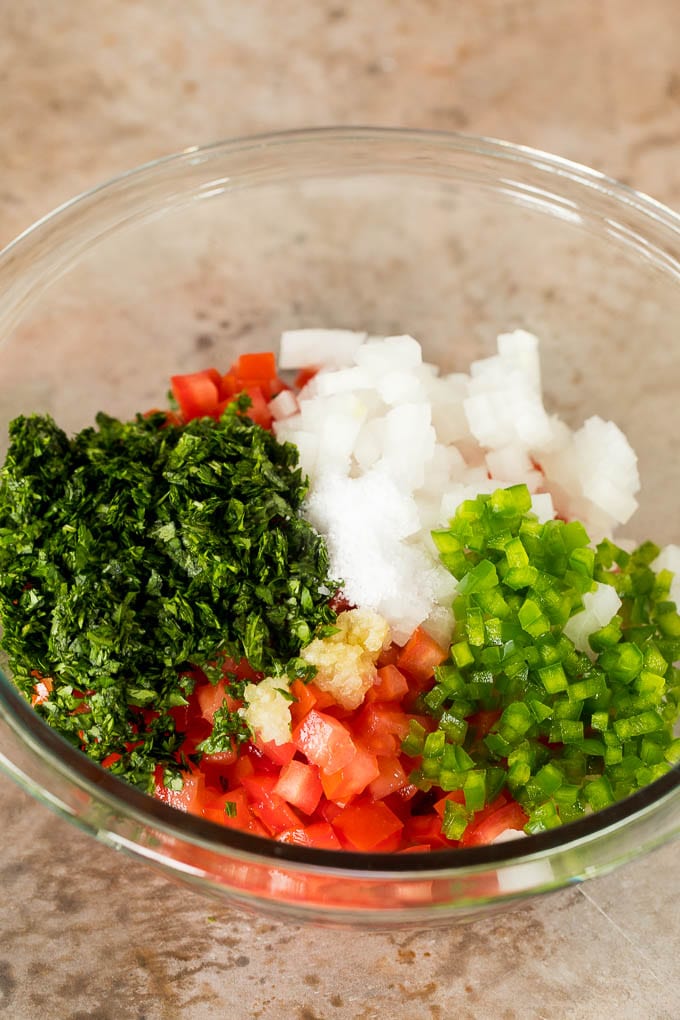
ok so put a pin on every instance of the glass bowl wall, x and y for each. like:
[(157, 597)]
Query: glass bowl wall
[(192, 260)]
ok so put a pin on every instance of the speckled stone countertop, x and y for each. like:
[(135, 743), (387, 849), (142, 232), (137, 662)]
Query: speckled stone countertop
[(87, 90)]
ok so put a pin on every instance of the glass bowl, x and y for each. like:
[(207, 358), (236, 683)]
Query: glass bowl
[(194, 259)]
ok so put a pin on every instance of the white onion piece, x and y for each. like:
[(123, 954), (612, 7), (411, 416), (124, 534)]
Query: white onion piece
[(392, 448), (327, 348), (600, 606)]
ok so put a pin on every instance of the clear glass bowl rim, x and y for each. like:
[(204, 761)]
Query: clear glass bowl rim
[(125, 800)]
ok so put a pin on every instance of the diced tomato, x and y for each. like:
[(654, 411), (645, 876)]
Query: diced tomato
[(509, 816), (258, 370), (258, 367), (304, 700), (232, 810), (351, 780), (189, 798), (390, 779), (419, 829), (324, 699), (41, 691), (324, 741), (419, 656), (389, 656), (381, 727), (319, 834), (304, 376), (389, 845), (272, 810), (197, 393), (280, 754), (110, 760), (244, 767), (215, 767), (240, 668), (259, 409), (262, 764), (390, 685), (210, 697), (328, 810), (229, 386), (409, 791), (365, 824), (300, 785)]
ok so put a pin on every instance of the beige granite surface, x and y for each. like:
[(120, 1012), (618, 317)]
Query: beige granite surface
[(90, 88)]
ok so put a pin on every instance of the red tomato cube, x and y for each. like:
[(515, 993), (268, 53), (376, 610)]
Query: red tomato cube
[(299, 784), (324, 741)]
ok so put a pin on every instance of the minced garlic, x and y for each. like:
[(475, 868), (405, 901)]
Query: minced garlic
[(345, 661), (267, 709)]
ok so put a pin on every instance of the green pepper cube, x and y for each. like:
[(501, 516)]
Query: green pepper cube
[(669, 623), (566, 731), (516, 554), (462, 654), (548, 779), (446, 541), (449, 678), (540, 711), (606, 637), (599, 793), (493, 632), (455, 820), (635, 726), (462, 759), (543, 817), (532, 619), (654, 660), (590, 686), (672, 752), (514, 500), (651, 751), (613, 755), (495, 781), (520, 577), (650, 687), (450, 780), (554, 678), (455, 563), (414, 740), (575, 536), (600, 721), (435, 698), (479, 578), (592, 746), (475, 789), (645, 553), (431, 768), (582, 562), (565, 709), (434, 744), (454, 727), (516, 720), (497, 745), (648, 773), (519, 774), (474, 627), (623, 663)]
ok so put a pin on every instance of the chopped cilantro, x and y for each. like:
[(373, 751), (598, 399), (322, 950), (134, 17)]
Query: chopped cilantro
[(135, 550)]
